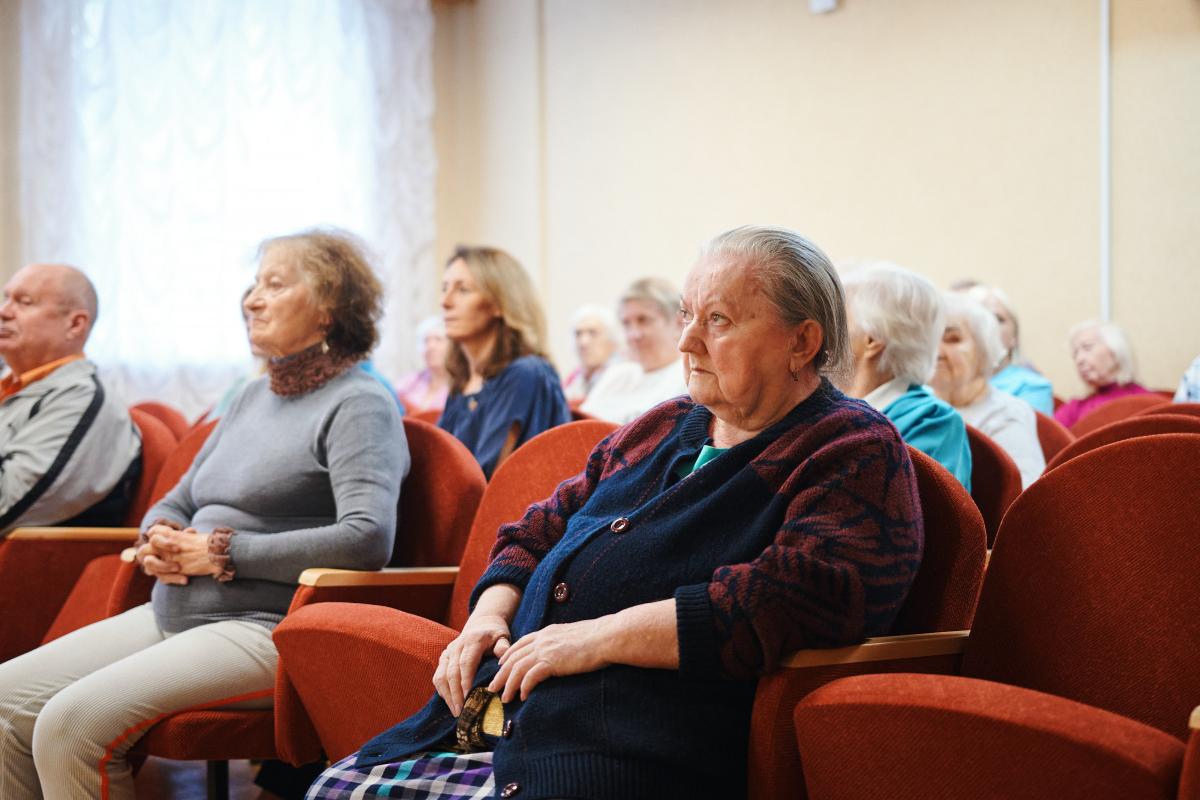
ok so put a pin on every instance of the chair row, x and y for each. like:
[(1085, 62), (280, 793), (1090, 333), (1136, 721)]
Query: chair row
[(996, 482), (1078, 676)]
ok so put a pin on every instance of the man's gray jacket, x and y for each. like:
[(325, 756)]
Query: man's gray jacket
[(65, 445)]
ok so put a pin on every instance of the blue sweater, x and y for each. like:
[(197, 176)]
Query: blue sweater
[(526, 393), (1023, 382), (807, 535), (933, 426)]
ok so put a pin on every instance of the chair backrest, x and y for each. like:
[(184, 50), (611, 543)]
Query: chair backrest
[(944, 593), (172, 418), (995, 480), (157, 443), (1053, 436), (1132, 427), (1091, 589), (430, 415), (1191, 409), (530, 474), (1114, 410), (438, 499)]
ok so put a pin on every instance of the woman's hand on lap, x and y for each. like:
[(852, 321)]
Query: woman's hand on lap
[(460, 660), (554, 651)]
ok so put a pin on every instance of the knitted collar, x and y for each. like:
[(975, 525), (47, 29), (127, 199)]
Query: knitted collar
[(307, 370)]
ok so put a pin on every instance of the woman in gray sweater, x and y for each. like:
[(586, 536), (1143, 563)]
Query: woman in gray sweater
[(303, 470)]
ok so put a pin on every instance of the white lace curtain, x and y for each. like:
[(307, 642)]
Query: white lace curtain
[(161, 140)]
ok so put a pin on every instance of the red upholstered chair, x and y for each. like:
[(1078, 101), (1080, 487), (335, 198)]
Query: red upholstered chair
[(358, 669), (1115, 410), (437, 507), (1079, 673), (40, 566), (942, 598), (1191, 409), (1053, 436), (1129, 428), (171, 417), (995, 480)]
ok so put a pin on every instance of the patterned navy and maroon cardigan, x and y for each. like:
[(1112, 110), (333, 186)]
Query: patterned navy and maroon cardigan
[(807, 535)]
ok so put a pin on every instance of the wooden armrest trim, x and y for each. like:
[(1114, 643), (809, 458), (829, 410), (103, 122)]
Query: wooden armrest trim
[(882, 648), (1194, 721), (392, 576), (76, 534)]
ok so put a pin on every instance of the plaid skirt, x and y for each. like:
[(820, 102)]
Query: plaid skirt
[(428, 776)]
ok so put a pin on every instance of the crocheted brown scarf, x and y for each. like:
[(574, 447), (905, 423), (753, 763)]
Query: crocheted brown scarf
[(307, 370)]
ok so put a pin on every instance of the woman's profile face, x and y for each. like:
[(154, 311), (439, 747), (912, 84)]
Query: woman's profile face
[(466, 312), (282, 315), (958, 361), (1095, 363), (737, 349)]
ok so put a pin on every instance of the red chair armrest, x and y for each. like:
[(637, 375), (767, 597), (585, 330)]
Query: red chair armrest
[(356, 669), (423, 591), (909, 736), (774, 764)]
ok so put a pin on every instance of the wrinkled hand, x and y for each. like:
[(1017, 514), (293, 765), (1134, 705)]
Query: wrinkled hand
[(460, 660), (159, 563), (187, 549), (554, 651)]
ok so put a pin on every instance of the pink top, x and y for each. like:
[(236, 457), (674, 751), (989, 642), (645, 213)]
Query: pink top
[(413, 390), (1072, 411)]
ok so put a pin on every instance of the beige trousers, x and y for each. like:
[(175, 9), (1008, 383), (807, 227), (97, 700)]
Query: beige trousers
[(70, 710)]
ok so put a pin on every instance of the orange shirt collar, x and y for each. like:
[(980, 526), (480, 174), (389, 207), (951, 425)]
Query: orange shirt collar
[(12, 383)]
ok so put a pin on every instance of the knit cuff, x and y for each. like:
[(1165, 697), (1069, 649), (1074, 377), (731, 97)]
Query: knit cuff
[(698, 651), (218, 553)]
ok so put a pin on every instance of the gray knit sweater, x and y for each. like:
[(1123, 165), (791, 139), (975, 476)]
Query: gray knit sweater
[(308, 480)]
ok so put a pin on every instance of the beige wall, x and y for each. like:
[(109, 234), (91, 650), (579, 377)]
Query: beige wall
[(601, 140), (1156, 182), (9, 245)]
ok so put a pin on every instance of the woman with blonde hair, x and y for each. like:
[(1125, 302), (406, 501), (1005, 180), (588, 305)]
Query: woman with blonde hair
[(503, 391)]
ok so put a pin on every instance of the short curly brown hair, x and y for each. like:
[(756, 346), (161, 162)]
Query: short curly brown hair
[(335, 264)]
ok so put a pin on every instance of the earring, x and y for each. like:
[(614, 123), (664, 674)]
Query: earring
[(795, 375), (324, 347)]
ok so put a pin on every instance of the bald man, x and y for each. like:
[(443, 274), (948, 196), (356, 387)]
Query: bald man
[(68, 452)]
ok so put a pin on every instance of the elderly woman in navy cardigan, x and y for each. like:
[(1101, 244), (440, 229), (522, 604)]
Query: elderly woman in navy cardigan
[(617, 633)]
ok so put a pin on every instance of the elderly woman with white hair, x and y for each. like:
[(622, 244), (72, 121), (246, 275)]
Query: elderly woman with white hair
[(970, 350), (595, 330), (649, 314), (617, 635), (1104, 361), (896, 319), (1014, 375)]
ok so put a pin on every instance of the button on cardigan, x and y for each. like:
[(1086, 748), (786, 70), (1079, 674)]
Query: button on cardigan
[(807, 535)]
